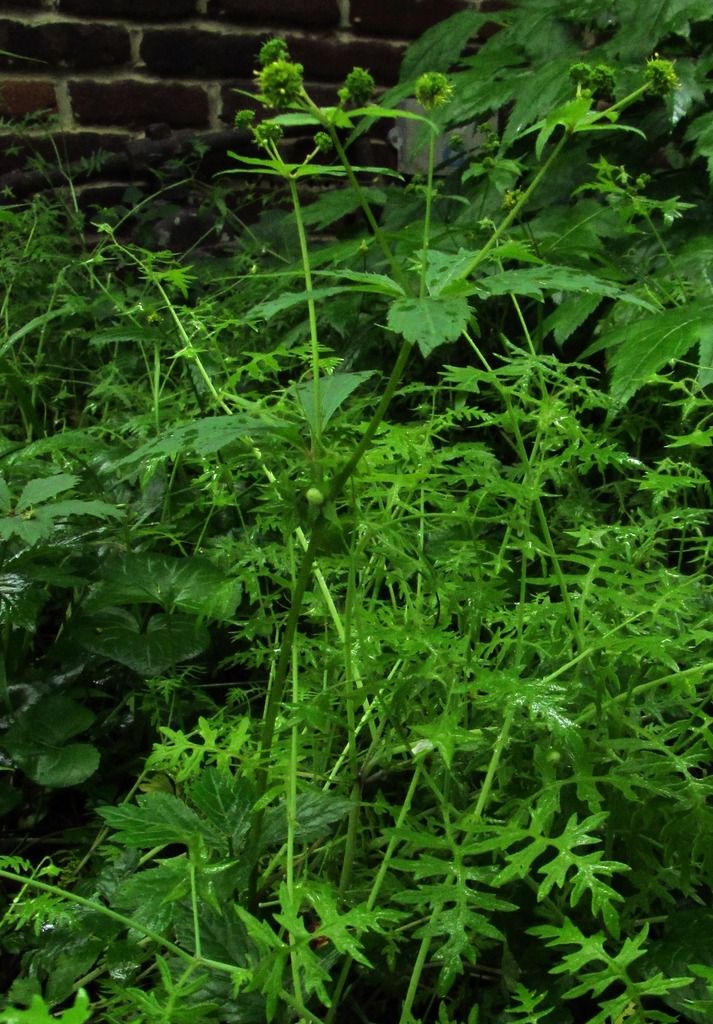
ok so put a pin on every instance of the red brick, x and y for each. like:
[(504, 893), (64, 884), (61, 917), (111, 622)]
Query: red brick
[(381, 18), (63, 44), (197, 53), (330, 58), (135, 10), (23, 96), (134, 104), (307, 13)]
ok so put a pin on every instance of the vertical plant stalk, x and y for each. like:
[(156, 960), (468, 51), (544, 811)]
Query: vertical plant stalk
[(427, 213), (277, 690), (291, 807), (379, 235), (311, 311)]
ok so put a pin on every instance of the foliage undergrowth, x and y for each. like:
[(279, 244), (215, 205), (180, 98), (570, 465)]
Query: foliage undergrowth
[(355, 586)]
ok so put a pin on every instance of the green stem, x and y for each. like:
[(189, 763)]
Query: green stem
[(515, 211), (427, 213), (99, 908), (311, 310), (378, 234)]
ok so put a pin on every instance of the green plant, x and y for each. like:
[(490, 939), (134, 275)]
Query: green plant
[(421, 644)]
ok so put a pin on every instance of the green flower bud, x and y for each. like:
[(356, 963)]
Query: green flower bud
[(358, 87), (271, 51), (323, 142), (280, 83), (244, 118), (267, 132), (602, 80), (581, 74), (661, 76), (433, 90)]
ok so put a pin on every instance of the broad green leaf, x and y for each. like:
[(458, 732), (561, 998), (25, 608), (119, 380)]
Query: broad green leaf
[(317, 813), (20, 600), (203, 436), (31, 325), (430, 321), (225, 800), (37, 742), (445, 270), (166, 641), (5, 496), (338, 203), (641, 349), (40, 490), (157, 819), (569, 315), (700, 132), (568, 115), (537, 281), (151, 895), (379, 284), (66, 766), (271, 307), (78, 507), (54, 719), (441, 45), (191, 584), (333, 389)]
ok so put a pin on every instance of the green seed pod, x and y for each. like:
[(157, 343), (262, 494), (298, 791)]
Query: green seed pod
[(314, 496)]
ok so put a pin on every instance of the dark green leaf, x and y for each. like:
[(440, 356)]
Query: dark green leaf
[(429, 322)]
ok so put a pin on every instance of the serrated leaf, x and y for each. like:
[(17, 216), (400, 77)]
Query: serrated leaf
[(203, 436), (641, 349), (339, 203), (569, 315), (333, 390), (5, 496), (316, 813), (225, 800), (158, 819), (441, 45), (67, 766), (151, 895), (20, 600), (41, 490), (429, 322)]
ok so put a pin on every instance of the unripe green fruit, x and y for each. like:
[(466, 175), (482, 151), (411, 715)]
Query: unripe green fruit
[(314, 496)]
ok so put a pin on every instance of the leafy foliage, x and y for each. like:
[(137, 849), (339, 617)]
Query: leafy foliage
[(355, 594)]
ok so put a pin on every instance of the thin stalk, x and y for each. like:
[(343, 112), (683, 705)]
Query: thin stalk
[(427, 213), (195, 909), (99, 908), (515, 211), (378, 234), (291, 807), (311, 311)]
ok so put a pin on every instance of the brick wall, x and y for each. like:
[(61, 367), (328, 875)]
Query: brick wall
[(112, 72)]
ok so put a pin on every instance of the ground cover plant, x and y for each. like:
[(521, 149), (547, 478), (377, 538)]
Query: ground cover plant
[(355, 590)]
